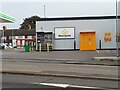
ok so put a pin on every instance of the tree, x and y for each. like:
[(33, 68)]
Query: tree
[(29, 23)]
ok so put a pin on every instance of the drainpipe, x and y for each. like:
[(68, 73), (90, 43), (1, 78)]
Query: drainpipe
[(117, 50)]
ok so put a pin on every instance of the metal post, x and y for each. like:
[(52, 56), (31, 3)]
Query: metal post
[(117, 50), (39, 47), (100, 44), (32, 46), (44, 11), (47, 47)]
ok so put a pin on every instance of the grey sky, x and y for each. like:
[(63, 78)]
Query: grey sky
[(20, 10)]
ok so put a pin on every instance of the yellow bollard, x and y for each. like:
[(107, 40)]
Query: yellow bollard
[(39, 47), (47, 47), (32, 47)]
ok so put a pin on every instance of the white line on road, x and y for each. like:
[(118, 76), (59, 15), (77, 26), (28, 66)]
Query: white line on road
[(34, 83), (52, 84), (87, 87), (56, 85), (108, 50), (64, 85), (97, 51)]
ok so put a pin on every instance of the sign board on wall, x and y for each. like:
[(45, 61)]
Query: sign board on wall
[(118, 37), (64, 33), (107, 37)]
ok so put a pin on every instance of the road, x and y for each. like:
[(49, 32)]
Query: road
[(30, 81), (62, 69), (35, 62)]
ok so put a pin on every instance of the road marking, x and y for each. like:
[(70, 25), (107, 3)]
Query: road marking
[(108, 50), (103, 51), (52, 84), (55, 85), (35, 83), (65, 85), (87, 87), (97, 51)]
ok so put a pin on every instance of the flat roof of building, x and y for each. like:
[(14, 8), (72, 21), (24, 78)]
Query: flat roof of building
[(77, 18), (6, 19)]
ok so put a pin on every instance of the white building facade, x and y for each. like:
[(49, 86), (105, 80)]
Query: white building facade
[(103, 26)]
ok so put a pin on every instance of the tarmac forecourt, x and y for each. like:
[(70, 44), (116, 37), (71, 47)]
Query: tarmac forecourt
[(98, 57)]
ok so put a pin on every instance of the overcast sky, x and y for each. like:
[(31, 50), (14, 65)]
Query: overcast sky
[(20, 9)]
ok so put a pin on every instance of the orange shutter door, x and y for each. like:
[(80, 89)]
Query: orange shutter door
[(87, 41)]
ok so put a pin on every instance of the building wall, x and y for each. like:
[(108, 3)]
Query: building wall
[(100, 26)]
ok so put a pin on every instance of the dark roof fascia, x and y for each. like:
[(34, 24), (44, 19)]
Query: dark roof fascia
[(78, 18), (44, 32)]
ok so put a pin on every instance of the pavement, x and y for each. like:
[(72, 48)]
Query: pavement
[(74, 64)]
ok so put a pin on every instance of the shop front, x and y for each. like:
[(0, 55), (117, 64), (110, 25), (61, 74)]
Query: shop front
[(80, 33), (44, 41)]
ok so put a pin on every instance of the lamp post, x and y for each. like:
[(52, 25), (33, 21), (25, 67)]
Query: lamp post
[(44, 8), (44, 11), (117, 46)]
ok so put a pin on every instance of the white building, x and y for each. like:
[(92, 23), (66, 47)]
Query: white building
[(84, 33)]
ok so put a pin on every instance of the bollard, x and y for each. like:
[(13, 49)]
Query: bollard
[(32, 46), (39, 47), (47, 47), (100, 44)]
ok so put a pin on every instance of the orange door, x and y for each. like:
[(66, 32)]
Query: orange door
[(87, 41), (93, 41), (83, 41)]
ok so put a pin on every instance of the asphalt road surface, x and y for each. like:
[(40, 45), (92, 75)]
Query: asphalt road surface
[(29, 81)]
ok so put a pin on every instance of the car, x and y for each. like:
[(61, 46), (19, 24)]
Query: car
[(3, 46)]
